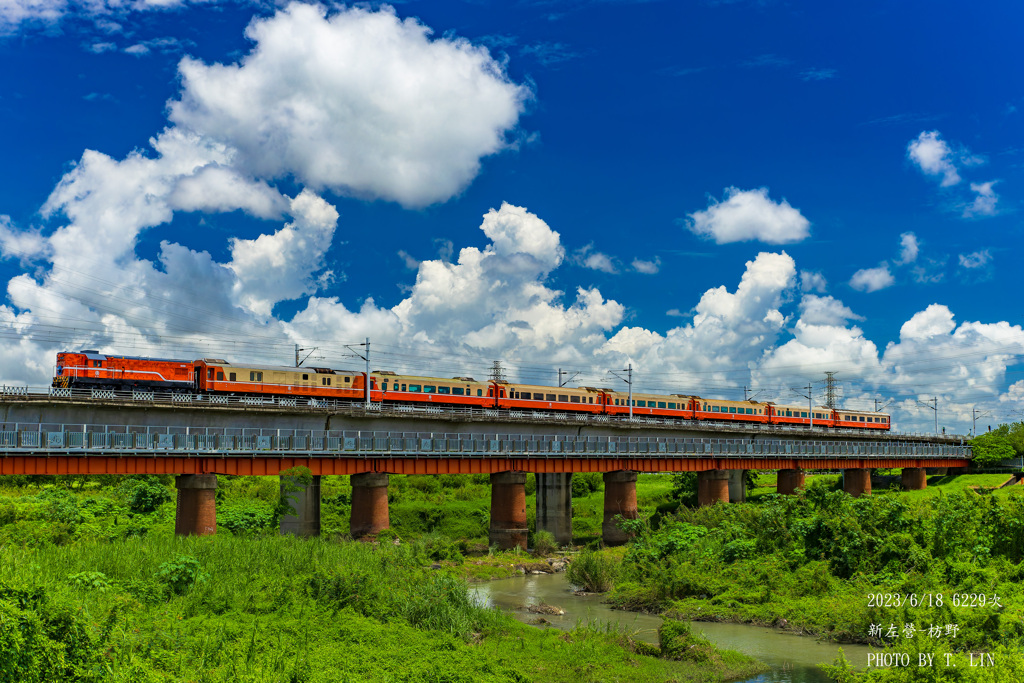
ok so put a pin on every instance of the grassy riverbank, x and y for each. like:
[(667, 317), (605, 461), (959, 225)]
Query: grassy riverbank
[(222, 608)]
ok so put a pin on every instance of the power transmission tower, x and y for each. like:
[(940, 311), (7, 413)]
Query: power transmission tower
[(497, 372), (830, 389)]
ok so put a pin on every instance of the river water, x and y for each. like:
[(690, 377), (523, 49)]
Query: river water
[(793, 658)]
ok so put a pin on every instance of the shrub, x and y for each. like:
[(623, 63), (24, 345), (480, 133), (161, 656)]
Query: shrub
[(677, 641), (544, 543), (146, 495), (90, 581), (585, 483), (593, 571), (180, 574)]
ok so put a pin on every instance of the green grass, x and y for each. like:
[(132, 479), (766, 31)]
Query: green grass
[(282, 609)]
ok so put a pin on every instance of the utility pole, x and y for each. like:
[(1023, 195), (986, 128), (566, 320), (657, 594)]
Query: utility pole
[(974, 420), (566, 372), (365, 356), (935, 408), (628, 379), (830, 390), (810, 401), (298, 351)]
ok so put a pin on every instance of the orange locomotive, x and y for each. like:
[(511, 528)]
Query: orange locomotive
[(218, 376), (92, 368)]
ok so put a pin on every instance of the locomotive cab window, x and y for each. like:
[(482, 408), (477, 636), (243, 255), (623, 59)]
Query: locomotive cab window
[(231, 376), (96, 363)]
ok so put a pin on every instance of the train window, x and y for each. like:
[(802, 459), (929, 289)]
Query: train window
[(414, 388), (563, 397), (444, 390), (803, 414), (538, 397), (384, 385), (231, 376), (661, 404), (550, 397), (861, 418), (732, 409), (305, 376), (591, 399), (347, 379), (671, 406), (429, 389), (220, 376), (96, 363), (479, 392), (576, 399), (458, 391), (209, 373), (403, 387), (714, 409)]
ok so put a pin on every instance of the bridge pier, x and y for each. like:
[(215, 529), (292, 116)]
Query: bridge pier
[(712, 487), (304, 500), (196, 510), (508, 510), (369, 504), (857, 482), (619, 499), (789, 481), (914, 478), (737, 486), (554, 506)]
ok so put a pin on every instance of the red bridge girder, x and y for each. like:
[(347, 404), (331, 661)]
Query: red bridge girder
[(268, 465)]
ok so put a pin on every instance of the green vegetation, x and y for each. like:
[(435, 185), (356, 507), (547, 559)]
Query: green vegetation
[(95, 587), (1002, 443)]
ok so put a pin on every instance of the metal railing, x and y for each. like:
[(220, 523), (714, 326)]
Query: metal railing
[(178, 441), (355, 408)]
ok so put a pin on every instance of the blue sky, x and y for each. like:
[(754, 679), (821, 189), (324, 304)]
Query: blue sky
[(724, 194)]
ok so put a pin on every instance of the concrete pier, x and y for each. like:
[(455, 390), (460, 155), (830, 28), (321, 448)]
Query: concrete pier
[(789, 481), (304, 499), (508, 510), (857, 482), (554, 506), (369, 504), (737, 486), (914, 478), (712, 487), (619, 499), (196, 512)]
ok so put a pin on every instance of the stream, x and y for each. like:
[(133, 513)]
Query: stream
[(793, 658)]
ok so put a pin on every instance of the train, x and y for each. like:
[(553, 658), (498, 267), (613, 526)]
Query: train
[(216, 376)]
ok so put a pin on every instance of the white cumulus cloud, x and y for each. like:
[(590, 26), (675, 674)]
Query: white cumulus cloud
[(934, 157), (872, 279), (909, 248), (985, 200), (749, 215), (361, 102)]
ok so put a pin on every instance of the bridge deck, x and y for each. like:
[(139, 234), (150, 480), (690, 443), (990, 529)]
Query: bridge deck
[(127, 449)]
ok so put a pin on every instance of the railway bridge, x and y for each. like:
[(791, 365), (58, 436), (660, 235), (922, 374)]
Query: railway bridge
[(197, 439)]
